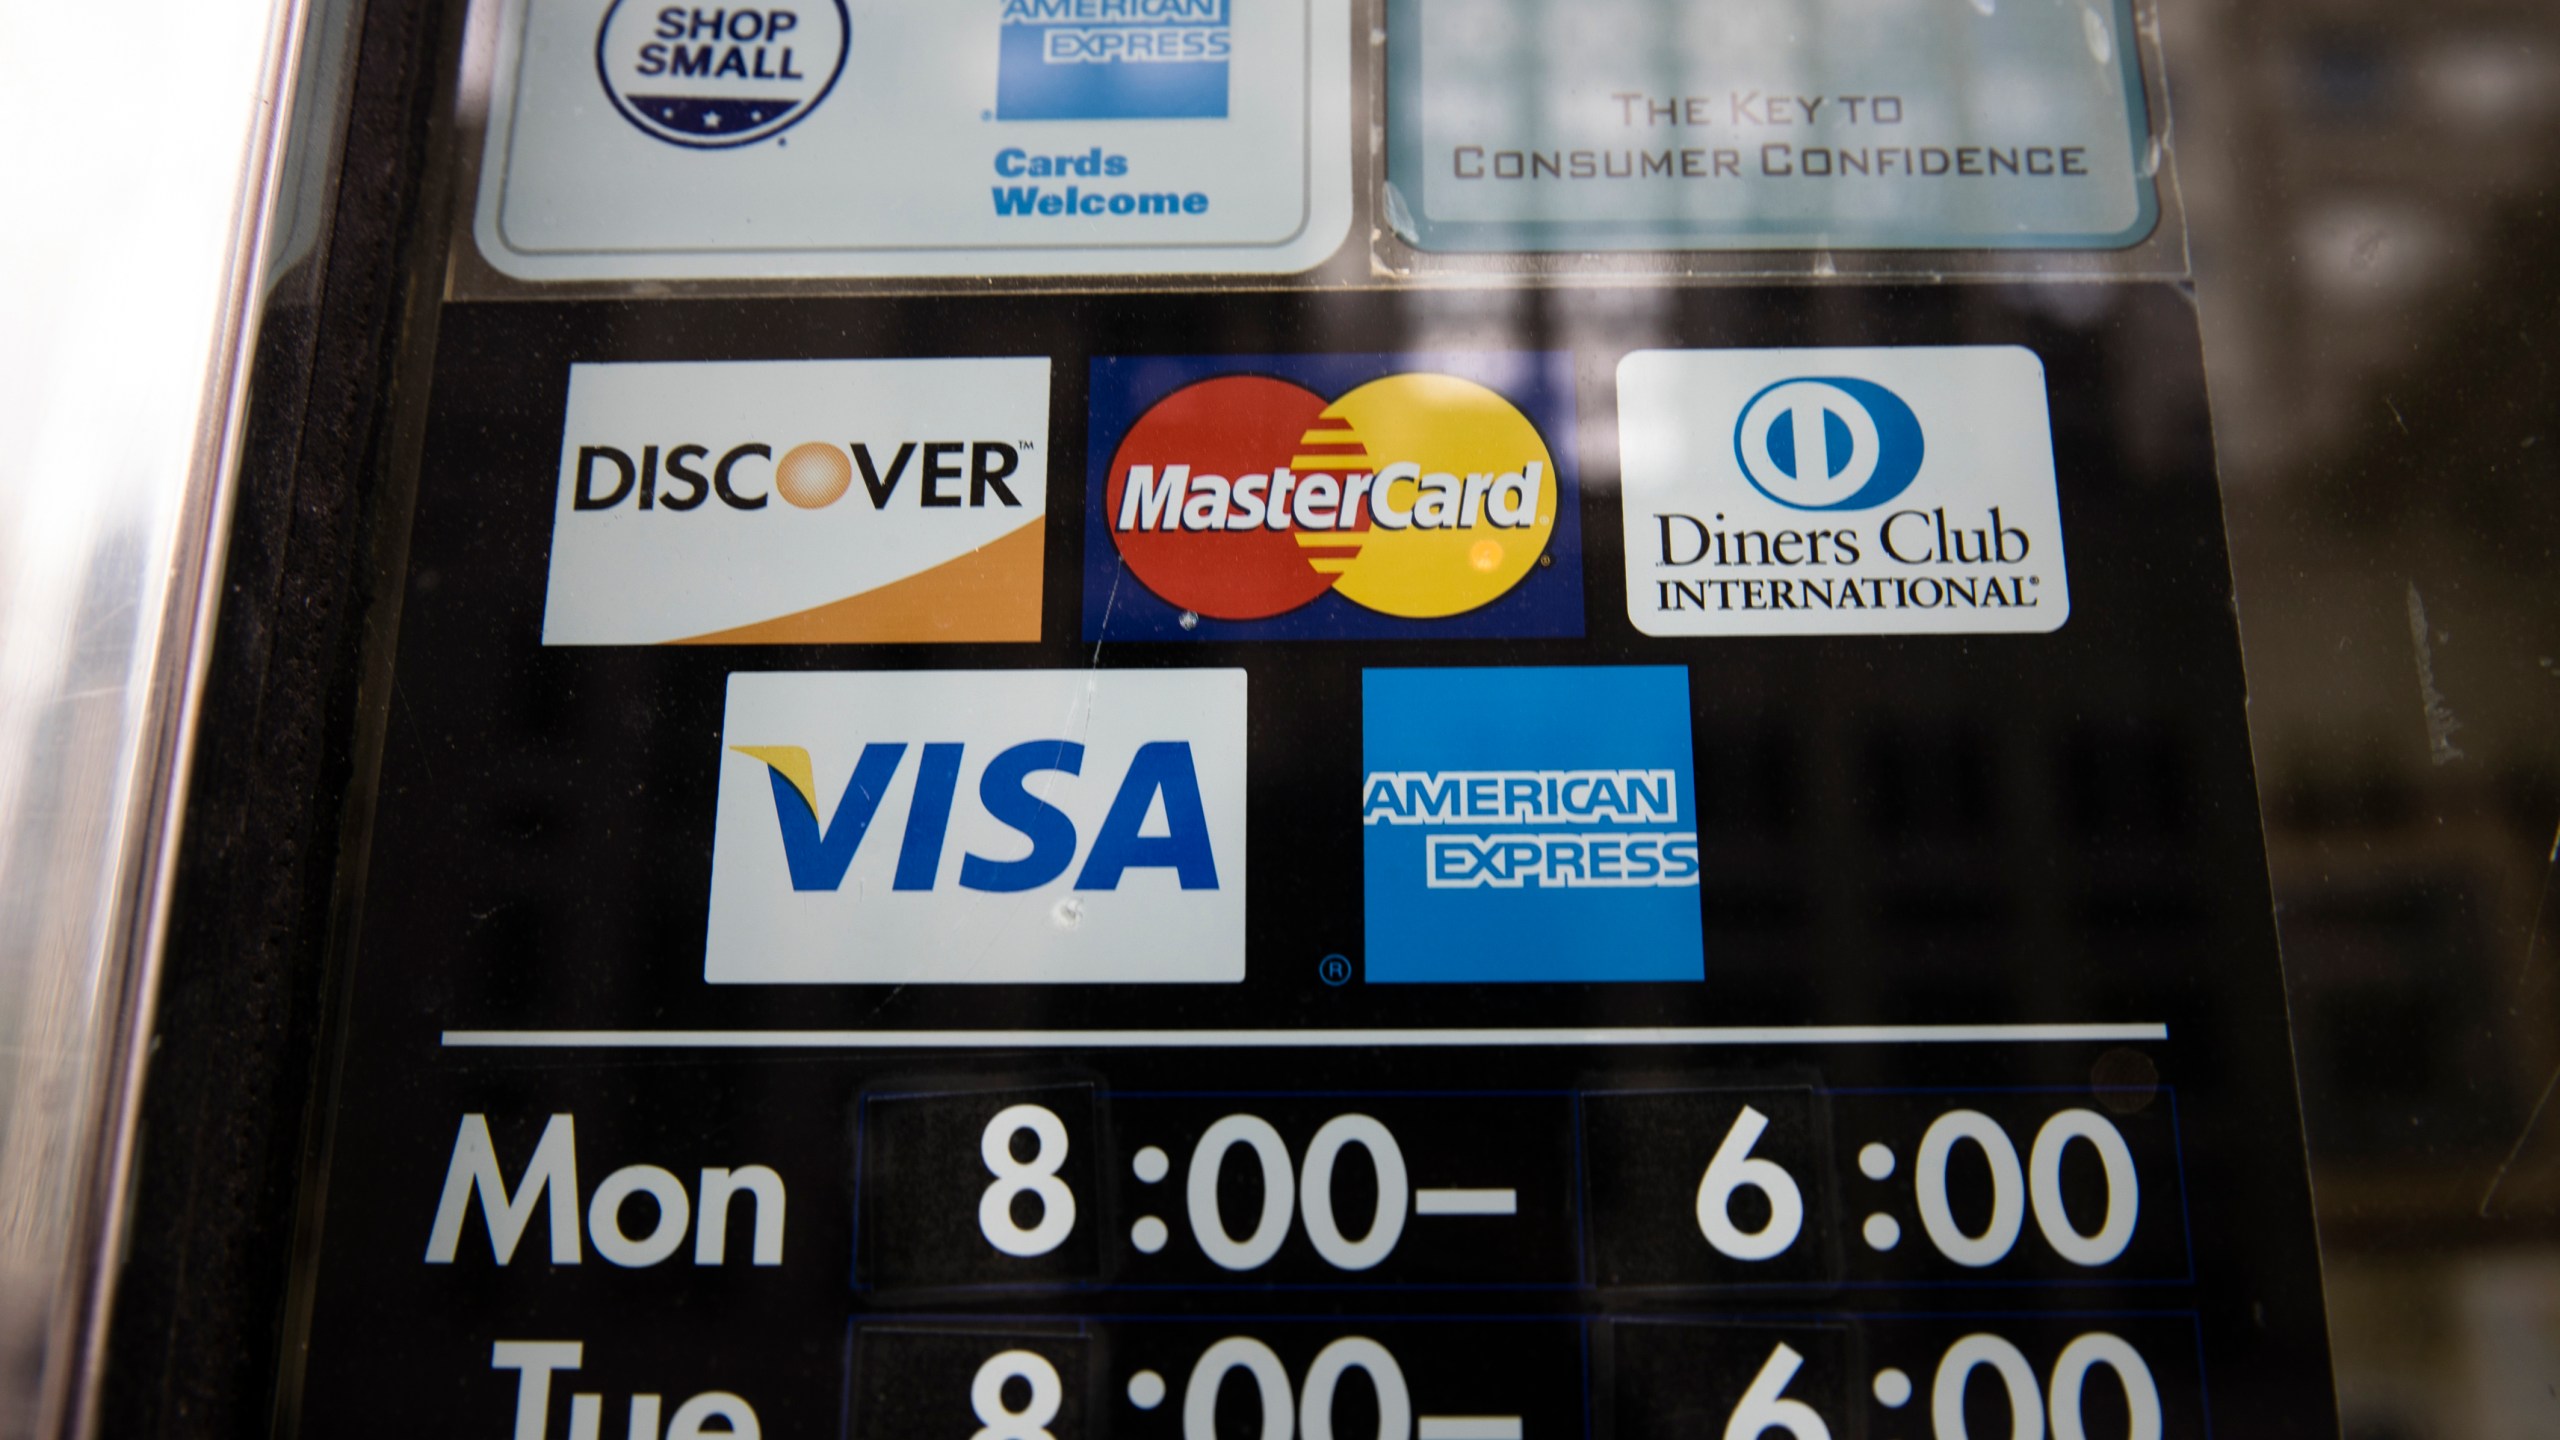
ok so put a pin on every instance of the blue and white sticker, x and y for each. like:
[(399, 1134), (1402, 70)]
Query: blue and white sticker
[(639, 139), (1115, 60), (1529, 823), (1902, 491), (717, 77), (979, 827)]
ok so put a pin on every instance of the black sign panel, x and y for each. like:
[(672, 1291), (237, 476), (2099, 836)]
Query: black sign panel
[(1394, 987)]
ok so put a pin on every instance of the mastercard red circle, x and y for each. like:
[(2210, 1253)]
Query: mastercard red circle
[(1233, 426)]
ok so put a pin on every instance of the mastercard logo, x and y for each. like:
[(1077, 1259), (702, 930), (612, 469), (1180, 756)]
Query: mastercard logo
[(1419, 496)]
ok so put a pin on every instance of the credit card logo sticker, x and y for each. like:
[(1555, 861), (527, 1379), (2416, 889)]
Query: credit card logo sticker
[(800, 502), (1331, 497), (1013, 827), (715, 77), (1529, 824), (1114, 60), (1161, 778), (821, 139), (1840, 492)]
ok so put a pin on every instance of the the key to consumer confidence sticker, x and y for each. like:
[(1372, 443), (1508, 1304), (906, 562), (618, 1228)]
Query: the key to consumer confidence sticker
[(1761, 124), (800, 502), (1327, 497), (992, 827), (1840, 492), (632, 139)]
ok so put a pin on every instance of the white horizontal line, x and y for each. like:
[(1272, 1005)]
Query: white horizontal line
[(1466, 1202), (1469, 1427), (1295, 1039)]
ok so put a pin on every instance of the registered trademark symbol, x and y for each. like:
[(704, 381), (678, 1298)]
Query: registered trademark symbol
[(1336, 970)]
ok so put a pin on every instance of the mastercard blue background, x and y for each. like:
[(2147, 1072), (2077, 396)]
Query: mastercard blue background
[(1546, 604)]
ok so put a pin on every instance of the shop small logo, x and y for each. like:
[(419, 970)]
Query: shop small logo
[(1114, 60), (1829, 443), (713, 77)]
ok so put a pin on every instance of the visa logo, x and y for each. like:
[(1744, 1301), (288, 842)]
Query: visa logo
[(939, 827), (1161, 779)]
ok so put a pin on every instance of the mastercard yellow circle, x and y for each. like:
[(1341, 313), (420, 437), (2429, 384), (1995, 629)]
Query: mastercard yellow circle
[(1472, 482), (813, 475)]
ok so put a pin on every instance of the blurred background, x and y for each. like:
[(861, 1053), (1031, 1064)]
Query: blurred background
[(2373, 195)]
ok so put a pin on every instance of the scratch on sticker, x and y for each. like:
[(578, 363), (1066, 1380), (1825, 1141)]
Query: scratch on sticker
[(2531, 1122), (2532, 942), (2541, 904), (2440, 721)]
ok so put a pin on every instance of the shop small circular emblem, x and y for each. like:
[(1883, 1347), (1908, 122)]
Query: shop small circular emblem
[(714, 77)]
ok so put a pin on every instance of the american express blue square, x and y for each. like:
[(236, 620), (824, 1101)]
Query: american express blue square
[(1112, 60), (1533, 824)]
